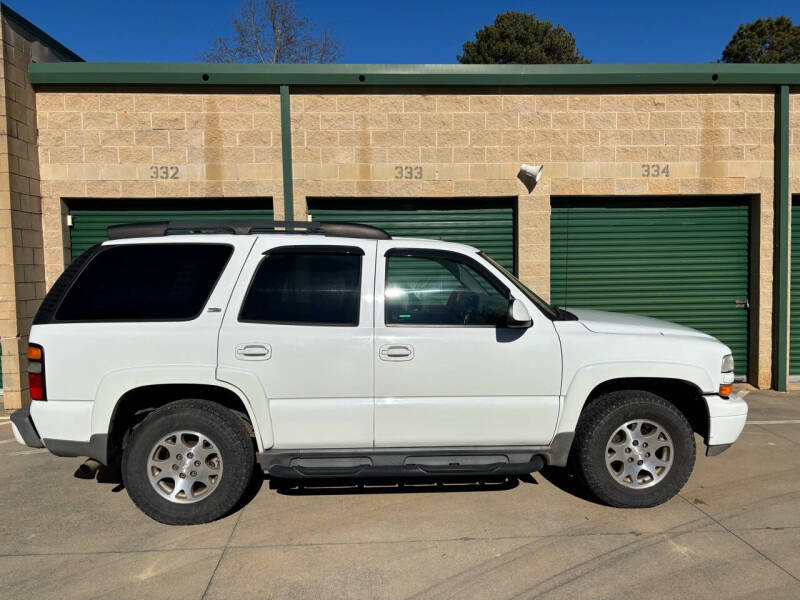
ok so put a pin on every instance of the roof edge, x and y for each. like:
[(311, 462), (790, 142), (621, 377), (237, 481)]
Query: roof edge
[(200, 74), (40, 34)]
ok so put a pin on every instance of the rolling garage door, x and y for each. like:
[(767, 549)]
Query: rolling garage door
[(488, 225), (794, 318), (89, 226), (681, 261)]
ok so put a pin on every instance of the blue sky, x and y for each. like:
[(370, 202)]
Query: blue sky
[(412, 31)]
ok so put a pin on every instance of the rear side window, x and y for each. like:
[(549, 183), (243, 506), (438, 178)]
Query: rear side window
[(305, 289), (146, 282)]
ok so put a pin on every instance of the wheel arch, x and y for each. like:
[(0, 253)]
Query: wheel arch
[(685, 395), (682, 385), (137, 402)]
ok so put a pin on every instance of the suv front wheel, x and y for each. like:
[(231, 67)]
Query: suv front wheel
[(188, 462), (633, 449)]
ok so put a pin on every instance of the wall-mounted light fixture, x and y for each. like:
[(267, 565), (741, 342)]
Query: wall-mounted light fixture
[(530, 175)]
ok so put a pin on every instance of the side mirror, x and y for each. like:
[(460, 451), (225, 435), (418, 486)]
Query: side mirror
[(518, 315)]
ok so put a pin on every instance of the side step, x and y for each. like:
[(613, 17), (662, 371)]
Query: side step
[(399, 465)]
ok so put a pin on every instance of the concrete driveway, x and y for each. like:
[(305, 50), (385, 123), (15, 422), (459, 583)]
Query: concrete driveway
[(734, 532)]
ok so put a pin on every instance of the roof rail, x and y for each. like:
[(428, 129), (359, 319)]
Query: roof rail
[(163, 228)]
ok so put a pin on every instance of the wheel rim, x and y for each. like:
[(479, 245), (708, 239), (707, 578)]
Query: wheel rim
[(639, 454), (184, 467)]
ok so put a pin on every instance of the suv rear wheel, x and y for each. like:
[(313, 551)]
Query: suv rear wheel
[(188, 462), (633, 449)]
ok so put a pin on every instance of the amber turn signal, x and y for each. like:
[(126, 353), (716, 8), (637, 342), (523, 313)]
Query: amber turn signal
[(726, 389), (34, 353)]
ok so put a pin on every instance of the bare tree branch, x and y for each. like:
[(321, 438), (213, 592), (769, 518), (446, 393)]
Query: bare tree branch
[(271, 31)]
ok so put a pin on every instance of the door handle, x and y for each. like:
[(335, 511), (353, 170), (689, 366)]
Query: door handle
[(742, 303), (253, 351), (396, 352)]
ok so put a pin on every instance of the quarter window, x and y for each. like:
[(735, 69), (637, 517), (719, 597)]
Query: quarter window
[(426, 290), (305, 289), (145, 282)]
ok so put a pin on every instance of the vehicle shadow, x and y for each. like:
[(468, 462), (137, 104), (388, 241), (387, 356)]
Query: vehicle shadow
[(112, 475), (564, 480), (558, 476), (396, 485)]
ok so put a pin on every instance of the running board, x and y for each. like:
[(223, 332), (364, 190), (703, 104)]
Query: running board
[(397, 462)]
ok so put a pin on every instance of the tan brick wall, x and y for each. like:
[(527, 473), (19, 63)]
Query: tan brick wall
[(102, 145), (21, 257), (105, 145)]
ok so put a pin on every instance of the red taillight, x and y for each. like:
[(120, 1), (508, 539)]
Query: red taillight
[(36, 372), (36, 386)]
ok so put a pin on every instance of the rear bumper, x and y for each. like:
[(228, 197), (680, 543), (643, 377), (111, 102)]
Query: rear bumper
[(24, 430), (726, 419), (25, 433)]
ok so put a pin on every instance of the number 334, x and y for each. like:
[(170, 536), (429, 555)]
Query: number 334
[(655, 170)]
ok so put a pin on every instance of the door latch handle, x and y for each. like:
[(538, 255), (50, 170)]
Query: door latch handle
[(253, 351), (742, 303), (396, 352)]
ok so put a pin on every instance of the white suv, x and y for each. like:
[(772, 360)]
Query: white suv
[(185, 352)]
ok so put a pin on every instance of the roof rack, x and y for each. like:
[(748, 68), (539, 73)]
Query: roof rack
[(163, 228)]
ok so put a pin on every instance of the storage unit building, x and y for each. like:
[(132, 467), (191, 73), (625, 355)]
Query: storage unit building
[(665, 189)]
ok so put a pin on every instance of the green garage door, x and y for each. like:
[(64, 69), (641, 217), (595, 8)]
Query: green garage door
[(794, 318), (89, 226), (486, 225), (681, 261)]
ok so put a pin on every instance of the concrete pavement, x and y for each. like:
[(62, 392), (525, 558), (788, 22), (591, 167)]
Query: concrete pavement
[(734, 532)]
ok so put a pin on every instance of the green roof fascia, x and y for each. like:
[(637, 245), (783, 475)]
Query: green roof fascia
[(170, 74)]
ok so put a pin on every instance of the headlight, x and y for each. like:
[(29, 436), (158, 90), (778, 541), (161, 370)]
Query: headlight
[(727, 363)]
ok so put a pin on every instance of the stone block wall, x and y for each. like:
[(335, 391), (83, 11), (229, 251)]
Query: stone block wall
[(120, 146), (22, 283)]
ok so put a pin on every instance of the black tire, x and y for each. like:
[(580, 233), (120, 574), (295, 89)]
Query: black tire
[(224, 428), (606, 415)]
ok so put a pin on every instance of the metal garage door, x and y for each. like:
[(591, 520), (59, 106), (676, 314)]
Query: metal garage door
[(794, 317), (486, 224), (89, 226), (681, 261)]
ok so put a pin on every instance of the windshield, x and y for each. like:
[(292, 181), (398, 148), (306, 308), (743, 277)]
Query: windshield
[(543, 306)]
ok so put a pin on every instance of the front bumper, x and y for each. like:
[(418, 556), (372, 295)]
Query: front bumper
[(726, 419), (24, 430)]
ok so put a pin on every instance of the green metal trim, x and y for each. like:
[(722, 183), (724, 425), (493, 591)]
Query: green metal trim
[(40, 35), (411, 75), (781, 251), (286, 154)]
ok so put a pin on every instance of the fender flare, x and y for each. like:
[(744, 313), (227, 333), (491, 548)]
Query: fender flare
[(114, 385), (589, 377)]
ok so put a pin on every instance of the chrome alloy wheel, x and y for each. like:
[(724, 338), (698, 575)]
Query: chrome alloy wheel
[(184, 467), (639, 454)]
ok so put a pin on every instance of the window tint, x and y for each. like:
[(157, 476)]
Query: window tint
[(147, 282), (440, 291), (320, 289)]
